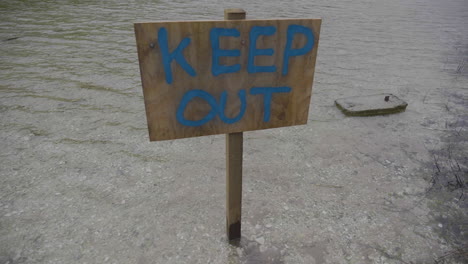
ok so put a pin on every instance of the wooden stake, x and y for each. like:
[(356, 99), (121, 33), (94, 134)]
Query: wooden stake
[(234, 149), (234, 144), (234, 14)]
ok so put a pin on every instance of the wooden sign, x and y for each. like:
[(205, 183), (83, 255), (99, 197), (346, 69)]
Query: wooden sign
[(217, 77)]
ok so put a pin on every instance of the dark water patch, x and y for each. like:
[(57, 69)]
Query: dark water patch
[(12, 38), (29, 129), (105, 108), (142, 157), (53, 98), (90, 86), (35, 131), (450, 164), (72, 141), (453, 226), (450, 222), (113, 124), (25, 109), (12, 89), (449, 183), (137, 128)]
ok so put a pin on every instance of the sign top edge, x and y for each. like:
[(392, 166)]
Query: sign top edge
[(228, 21)]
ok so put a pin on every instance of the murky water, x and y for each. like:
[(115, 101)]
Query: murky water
[(76, 167), (74, 59)]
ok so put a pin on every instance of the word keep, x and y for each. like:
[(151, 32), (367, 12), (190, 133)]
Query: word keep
[(217, 108)]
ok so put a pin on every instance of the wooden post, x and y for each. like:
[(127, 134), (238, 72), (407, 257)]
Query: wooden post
[(234, 142), (234, 149), (234, 14)]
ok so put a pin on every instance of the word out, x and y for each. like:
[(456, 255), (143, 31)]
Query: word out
[(218, 108)]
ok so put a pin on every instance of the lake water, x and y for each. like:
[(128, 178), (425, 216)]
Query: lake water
[(80, 182)]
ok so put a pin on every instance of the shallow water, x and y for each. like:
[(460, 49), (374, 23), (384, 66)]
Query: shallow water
[(80, 181), (79, 56)]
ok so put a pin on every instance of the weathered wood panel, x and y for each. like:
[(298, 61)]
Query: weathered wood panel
[(203, 112)]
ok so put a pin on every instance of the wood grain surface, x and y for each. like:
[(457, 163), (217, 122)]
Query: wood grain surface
[(163, 99)]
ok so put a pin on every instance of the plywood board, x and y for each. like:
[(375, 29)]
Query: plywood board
[(216, 77)]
